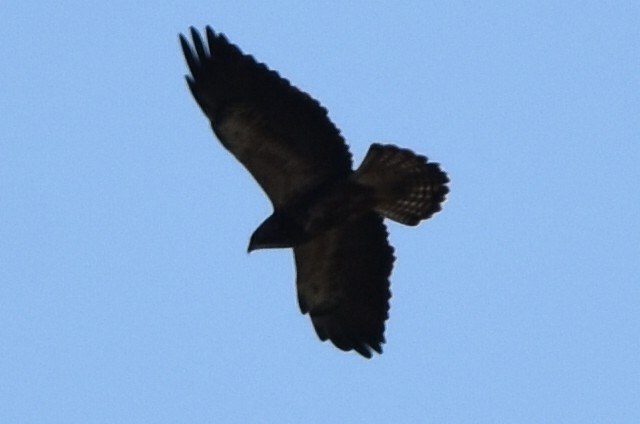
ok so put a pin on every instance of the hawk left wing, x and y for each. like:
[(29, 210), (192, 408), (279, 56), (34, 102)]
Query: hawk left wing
[(279, 133), (343, 283)]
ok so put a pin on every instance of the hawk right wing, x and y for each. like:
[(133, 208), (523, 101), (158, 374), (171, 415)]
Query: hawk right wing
[(343, 283)]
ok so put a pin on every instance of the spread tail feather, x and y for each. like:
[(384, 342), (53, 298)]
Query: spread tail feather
[(407, 188)]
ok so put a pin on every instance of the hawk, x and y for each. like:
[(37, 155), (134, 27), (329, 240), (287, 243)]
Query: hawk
[(329, 214)]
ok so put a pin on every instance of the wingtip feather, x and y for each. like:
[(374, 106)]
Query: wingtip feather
[(198, 44)]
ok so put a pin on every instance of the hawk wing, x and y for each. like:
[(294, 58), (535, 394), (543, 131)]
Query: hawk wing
[(343, 283), (280, 134)]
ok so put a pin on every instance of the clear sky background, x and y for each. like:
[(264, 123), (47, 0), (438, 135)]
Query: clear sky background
[(127, 295)]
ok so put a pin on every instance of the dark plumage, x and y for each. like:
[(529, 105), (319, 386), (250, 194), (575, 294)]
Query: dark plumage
[(329, 214)]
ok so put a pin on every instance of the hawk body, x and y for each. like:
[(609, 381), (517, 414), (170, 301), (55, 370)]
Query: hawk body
[(329, 214)]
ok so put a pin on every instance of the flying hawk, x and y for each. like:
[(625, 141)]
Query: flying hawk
[(331, 215)]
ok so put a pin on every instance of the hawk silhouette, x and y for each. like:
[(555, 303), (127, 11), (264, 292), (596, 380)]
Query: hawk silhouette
[(331, 215)]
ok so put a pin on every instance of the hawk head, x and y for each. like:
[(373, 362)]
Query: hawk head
[(277, 231)]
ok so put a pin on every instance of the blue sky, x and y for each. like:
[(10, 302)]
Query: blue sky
[(126, 294)]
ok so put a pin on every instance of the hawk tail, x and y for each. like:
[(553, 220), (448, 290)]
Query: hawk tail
[(407, 188)]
